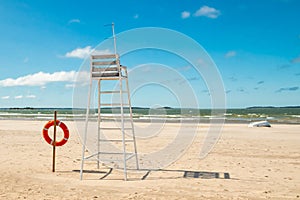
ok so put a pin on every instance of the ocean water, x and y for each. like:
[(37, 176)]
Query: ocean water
[(289, 115)]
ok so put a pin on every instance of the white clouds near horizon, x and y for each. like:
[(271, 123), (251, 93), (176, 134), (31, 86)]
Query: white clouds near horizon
[(42, 78), (31, 96), (5, 97), (19, 97)]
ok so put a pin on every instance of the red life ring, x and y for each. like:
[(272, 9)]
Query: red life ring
[(62, 126)]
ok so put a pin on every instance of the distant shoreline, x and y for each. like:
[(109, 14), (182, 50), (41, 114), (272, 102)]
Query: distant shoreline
[(138, 107), (279, 115), (201, 121)]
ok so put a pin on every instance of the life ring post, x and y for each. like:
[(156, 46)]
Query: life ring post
[(54, 141)]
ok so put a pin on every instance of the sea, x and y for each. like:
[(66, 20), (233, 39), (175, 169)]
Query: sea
[(285, 115)]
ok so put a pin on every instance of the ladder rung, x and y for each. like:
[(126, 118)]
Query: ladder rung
[(104, 63), (105, 74), (111, 153), (115, 160), (112, 92), (112, 78), (105, 69), (104, 56), (110, 160), (114, 153)]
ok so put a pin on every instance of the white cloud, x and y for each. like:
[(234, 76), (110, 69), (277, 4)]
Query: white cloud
[(80, 52), (30, 96), (19, 97), (74, 21), (5, 97), (185, 14), (230, 54), (207, 12), (84, 52), (42, 78)]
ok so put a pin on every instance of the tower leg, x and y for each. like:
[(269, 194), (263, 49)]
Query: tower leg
[(131, 121), (85, 130), (122, 127), (99, 121)]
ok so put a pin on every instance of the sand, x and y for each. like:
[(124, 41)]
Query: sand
[(258, 163)]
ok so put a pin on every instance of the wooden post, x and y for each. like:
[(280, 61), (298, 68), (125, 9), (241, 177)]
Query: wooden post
[(54, 142)]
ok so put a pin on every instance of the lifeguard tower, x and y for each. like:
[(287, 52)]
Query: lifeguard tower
[(115, 140)]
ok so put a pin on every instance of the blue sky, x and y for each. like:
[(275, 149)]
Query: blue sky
[(255, 45)]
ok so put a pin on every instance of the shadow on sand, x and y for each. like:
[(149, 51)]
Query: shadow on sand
[(170, 174)]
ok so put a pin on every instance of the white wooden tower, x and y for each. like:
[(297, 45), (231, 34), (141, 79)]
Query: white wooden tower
[(115, 140)]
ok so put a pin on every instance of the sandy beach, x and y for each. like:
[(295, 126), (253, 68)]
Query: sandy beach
[(246, 163)]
